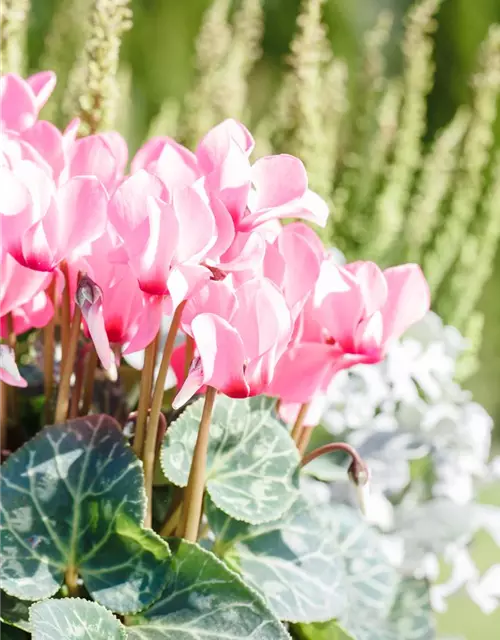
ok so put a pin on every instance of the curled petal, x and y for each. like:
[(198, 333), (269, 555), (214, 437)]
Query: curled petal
[(197, 232), (89, 299), (9, 373), (18, 106), (42, 84), (278, 180)]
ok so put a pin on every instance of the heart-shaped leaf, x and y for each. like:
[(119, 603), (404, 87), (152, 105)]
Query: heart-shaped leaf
[(290, 560), (73, 501), (371, 581), (204, 600), (251, 458), (74, 618), (15, 612)]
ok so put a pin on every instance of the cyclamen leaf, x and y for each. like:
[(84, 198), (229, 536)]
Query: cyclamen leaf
[(251, 458), (73, 496), (204, 600), (323, 631), (292, 561), (74, 618), (15, 612)]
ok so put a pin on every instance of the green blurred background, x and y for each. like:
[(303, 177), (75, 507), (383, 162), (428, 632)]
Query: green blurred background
[(160, 53)]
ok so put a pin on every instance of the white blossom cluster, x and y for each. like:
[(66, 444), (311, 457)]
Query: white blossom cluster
[(427, 445)]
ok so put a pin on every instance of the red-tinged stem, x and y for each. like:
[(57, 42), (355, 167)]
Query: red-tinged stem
[(67, 368), (299, 422), (65, 312), (144, 397), (193, 499), (305, 437), (88, 385), (77, 389), (358, 469), (149, 451), (189, 354), (48, 352)]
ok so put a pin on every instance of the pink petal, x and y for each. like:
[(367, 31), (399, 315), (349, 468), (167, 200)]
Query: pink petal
[(14, 195), (310, 235), (146, 326), (215, 297), (18, 284), (197, 232), (153, 263), (82, 204), (42, 84), (278, 180), (18, 108), (89, 299), (36, 252), (184, 281), (246, 252), (127, 207), (302, 372), (224, 228), (372, 283), (48, 141), (92, 156), (213, 148), (119, 148), (289, 411), (176, 166), (9, 373), (221, 358), (408, 299)]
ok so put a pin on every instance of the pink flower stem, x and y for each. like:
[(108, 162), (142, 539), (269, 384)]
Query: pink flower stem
[(65, 312), (358, 469), (88, 384), (189, 354), (149, 451), (193, 498), (48, 353), (299, 422), (67, 369), (144, 396)]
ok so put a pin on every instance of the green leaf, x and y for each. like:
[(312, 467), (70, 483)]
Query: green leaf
[(290, 560), (15, 612), (204, 600), (322, 631), (73, 498), (371, 581), (13, 633), (74, 618), (251, 458)]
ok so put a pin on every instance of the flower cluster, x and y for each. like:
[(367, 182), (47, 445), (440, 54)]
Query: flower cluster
[(267, 309)]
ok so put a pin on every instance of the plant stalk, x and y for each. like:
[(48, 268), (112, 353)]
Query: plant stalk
[(48, 352), (305, 437), (67, 369), (77, 389), (88, 385), (144, 397), (149, 451), (189, 354), (358, 465), (193, 500), (71, 580), (299, 423), (65, 312)]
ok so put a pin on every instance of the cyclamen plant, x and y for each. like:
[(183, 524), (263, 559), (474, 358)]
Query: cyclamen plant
[(200, 529)]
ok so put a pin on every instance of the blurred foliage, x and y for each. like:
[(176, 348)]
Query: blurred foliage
[(173, 82)]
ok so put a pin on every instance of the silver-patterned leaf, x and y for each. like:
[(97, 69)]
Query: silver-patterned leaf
[(73, 498), (15, 612), (290, 560), (73, 618), (251, 458), (204, 600)]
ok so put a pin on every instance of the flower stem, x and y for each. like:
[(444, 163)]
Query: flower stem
[(304, 439), (149, 451), (358, 467), (77, 389), (144, 397), (65, 312), (189, 354), (299, 422), (48, 353), (193, 499), (88, 385), (67, 369), (170, 525)]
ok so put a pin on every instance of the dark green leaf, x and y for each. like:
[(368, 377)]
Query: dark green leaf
[(74, 497), (251, 458), (74, 619), (204, 600), (15, 612), (292, 561)]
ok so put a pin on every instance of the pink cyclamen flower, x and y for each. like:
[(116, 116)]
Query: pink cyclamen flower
[(21, 100), (355, 313), (43, 224), (9, 373), (239, 335), (22, 294)]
